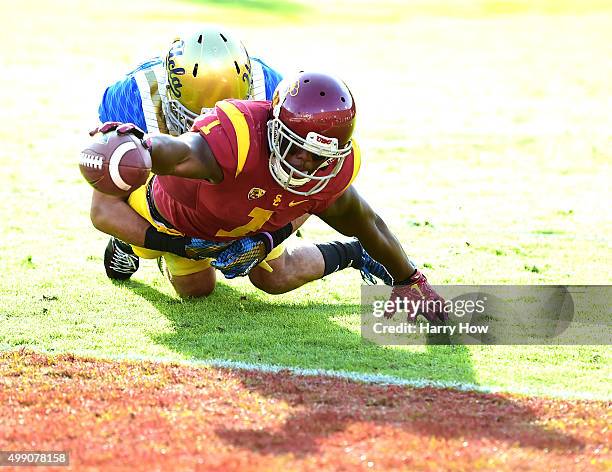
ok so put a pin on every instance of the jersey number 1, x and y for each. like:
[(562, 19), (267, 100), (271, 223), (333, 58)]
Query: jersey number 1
[(259, 216)]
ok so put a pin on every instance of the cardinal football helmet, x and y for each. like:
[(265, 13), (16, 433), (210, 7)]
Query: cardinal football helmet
[(203, 67), (316, 112)]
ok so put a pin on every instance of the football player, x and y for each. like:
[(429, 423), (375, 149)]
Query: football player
[(253, 167), (165, 95)]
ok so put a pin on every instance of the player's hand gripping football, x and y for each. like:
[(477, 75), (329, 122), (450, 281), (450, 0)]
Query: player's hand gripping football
[(418, 297), (119, 161), (243, 255), (123, 128)]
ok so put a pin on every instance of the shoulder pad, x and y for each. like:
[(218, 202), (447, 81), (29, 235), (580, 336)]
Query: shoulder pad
[(244, 122)]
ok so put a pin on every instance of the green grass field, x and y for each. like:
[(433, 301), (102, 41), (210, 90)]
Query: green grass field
[(487, 149)]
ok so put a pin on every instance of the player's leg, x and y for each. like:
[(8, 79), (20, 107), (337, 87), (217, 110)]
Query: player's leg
[(112, 215), (190, 278), (130, 221), (302, 264), (293, 268)]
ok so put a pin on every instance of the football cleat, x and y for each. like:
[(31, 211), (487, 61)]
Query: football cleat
[(370, 270), (120, 262), (163, 267)]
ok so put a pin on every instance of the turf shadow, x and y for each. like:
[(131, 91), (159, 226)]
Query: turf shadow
[(323, 408), (248, 328)]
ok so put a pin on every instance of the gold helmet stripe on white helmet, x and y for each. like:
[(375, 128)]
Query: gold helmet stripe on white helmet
[(204, 66)]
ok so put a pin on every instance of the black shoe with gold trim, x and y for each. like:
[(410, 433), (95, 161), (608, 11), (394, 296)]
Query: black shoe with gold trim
[(120, 262)]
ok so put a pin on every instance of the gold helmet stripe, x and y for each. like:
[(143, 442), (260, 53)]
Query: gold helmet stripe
[(356, 163), (258, 92), (243, 138)]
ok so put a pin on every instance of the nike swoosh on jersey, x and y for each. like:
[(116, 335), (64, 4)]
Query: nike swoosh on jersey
[(292, 203)]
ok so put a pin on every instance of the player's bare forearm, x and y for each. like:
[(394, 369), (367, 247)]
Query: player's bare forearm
[(187, 156), (384, 247), (113, 216), (352, 216), (380, 243)]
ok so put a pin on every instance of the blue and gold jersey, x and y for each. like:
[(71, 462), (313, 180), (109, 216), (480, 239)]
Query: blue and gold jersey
[(140, 96), (265, 80)]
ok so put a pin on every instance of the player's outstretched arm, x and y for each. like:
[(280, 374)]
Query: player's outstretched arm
[(187, 155), (352, 216)]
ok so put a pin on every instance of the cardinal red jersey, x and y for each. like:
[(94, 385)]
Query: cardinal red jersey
[(248, 200)]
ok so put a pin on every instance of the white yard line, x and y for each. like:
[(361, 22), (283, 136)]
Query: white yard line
[(376, 379)]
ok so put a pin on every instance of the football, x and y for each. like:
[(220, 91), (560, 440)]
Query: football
[(115, 164)]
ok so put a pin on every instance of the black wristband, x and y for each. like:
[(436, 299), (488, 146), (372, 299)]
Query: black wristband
[(273, 239), (280, 235), (164, 242)]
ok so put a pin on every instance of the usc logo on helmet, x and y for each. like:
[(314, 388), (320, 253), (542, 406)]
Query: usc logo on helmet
[(283, 90), (294, 88)]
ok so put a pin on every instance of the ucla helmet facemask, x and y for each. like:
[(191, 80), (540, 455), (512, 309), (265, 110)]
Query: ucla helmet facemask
[(203, 67)]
